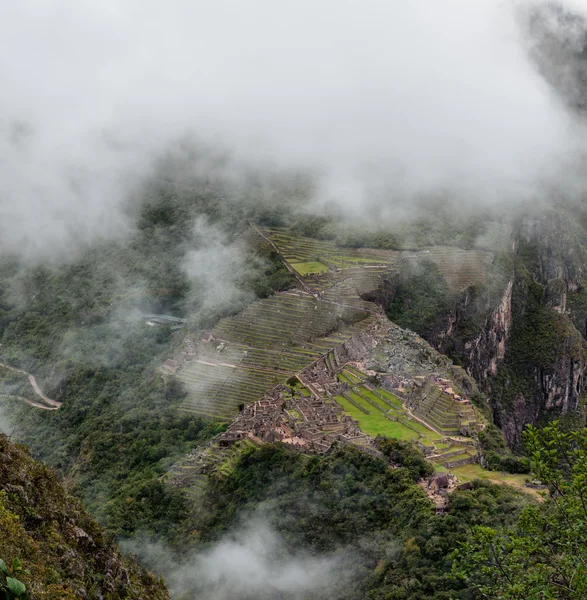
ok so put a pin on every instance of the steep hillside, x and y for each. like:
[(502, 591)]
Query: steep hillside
[(362, 518), (68, 555), (521, 333)]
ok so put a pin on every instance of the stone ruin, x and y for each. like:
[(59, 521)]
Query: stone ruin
[(438, 488), (170, 367), (308, 423)]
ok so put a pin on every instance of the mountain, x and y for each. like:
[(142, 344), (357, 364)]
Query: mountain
[(64, 552)]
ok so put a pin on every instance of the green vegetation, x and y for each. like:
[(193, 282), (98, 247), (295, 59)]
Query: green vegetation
[(123, 424), (66, 554), (10, 587), (549, 540), (380, 413), (398, 548), (15, 384), (498, 456), (405, 455), (435, 222), (541, 340), (306, 268), (421, 297), (309, 255), (376, 423), (77, 328)]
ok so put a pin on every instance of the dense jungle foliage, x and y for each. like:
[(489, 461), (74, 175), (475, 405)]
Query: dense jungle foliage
[(544, 553), (62, 551), (392, 541)]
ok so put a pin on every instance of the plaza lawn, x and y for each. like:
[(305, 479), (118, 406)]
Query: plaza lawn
[(391, 397), (305, 268), (376, 423)]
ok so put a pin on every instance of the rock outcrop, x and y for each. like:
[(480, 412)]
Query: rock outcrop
[(521, 335)]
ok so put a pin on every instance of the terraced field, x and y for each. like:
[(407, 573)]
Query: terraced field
[(380, 412), (339, 275), (297, 249), (363, 267), (443, 412), (264, 345), (275, 338), (461, 268)]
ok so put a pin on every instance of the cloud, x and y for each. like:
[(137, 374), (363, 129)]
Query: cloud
[(216, 266), (250, 563), (386, 100)]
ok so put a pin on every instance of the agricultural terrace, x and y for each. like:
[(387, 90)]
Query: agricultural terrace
[(379, 412), (460, 268), (272, 339), (264, 345), (440, 409), (339, 275), (360, 269)]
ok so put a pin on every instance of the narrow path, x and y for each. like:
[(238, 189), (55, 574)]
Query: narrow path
[(54, 404), (244, 367), (30, 402), (285, 262)]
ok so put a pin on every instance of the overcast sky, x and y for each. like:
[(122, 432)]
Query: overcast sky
[(413, 95)]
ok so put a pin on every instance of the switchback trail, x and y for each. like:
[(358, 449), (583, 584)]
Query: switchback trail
[(53, 404), (30, 402)]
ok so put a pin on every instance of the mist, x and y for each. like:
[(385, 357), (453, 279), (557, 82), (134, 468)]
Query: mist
[(6, 423), (249, 563), (384, 102)]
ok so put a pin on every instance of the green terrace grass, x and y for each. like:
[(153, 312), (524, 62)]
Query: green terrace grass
[(306, 268), (476, 471), (302, 389), (376, 423), (351, 376), (442, 445), (343, 378), (423, 429), (461, 456), (354, 371), (391, 397), (363, 391)]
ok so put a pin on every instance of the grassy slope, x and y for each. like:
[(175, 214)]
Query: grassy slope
[(376, 424)]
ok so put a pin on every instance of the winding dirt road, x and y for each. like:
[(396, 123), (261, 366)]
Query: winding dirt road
[(53, 404)]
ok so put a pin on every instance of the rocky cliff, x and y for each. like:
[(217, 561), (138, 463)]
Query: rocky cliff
[(528, 352), (521, 334)]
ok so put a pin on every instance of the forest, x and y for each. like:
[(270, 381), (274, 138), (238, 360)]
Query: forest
[(78, 328)]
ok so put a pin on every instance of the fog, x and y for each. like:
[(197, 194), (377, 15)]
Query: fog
[(386, 100), (6, 422), (249, 563), (215, 266)]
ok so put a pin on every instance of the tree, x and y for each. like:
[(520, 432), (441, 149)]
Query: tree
[(545, 554)]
